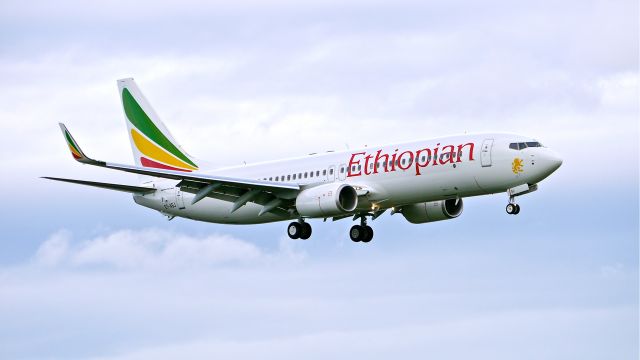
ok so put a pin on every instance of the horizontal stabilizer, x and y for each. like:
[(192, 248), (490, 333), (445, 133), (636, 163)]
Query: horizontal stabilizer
[(118, 187)]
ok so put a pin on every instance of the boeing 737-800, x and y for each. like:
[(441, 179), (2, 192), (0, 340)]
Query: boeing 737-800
[(423, 180)]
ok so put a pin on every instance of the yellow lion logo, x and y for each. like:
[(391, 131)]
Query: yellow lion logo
[(516, 166)]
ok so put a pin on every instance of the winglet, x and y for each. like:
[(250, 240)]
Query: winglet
[(76, 152)]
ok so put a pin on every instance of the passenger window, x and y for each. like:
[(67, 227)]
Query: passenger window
[(305, 175), (318, 173), (341, 170), (311, 174), (324, 172), (299, 175), (288, 177), (331, 172), (276, 178), (294, 176)]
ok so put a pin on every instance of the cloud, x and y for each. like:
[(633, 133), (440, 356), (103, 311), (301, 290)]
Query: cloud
[(148, 294), (156, 249), (498, 335)]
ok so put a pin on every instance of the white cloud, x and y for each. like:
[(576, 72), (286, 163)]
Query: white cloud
[(155, 249), (499, 335), (280, 78), (152, 294)]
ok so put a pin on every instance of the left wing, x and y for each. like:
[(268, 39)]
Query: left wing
[(110, 186), (272, 195)]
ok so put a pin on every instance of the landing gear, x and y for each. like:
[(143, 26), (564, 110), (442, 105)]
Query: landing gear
[(361, 232), (299, 230), (306, 231), (512, 208)]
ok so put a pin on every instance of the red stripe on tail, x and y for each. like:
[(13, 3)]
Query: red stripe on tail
[(150, 163)]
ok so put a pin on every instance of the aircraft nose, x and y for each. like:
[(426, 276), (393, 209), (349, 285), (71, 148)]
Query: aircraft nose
[(552, 161)]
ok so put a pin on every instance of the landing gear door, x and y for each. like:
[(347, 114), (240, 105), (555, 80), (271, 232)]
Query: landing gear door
[(485, 153)]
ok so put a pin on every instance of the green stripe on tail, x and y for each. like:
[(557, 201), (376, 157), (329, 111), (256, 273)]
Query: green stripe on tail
[(142, 122)]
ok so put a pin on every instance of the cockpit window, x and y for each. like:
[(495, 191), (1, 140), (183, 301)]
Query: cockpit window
[(524, 145)]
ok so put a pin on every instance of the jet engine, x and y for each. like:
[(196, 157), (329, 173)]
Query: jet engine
[(327, 200), (432, 211)]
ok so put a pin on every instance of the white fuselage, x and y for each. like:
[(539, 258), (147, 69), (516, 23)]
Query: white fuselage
[(414, 172)]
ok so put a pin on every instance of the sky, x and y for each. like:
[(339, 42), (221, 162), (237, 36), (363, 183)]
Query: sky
[(84, 273)]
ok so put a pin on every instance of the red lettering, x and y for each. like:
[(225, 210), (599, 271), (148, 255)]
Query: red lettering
[(450, 152), (366, 164), (393, 162), (354, 163), (460, 147), (435, 155), (426, 159), (400, 162), (377, 161)]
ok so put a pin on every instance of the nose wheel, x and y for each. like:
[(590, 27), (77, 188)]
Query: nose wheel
[(299, 230), (513, 209)]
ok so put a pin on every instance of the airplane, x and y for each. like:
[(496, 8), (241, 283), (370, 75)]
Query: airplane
[(424, 180)]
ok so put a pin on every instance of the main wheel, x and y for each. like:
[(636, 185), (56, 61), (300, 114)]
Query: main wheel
[(294, 230), (368, 234), (306, 231), (356, 233), (517, 210), (511, 209)]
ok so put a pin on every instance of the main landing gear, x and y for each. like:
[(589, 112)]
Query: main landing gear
[(362, 232), (358, 233), (512, 207), (299, 230)]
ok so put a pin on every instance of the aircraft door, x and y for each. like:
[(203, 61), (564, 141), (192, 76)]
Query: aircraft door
[(342, 172), (485, 154), (331, 176)]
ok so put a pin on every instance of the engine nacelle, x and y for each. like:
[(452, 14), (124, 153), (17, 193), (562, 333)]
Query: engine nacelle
[(327, 200), (432, 211)]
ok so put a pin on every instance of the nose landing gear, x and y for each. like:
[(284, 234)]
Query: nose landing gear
[(512, 207)]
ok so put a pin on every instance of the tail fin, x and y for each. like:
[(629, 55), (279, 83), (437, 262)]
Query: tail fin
[(151, 142)]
